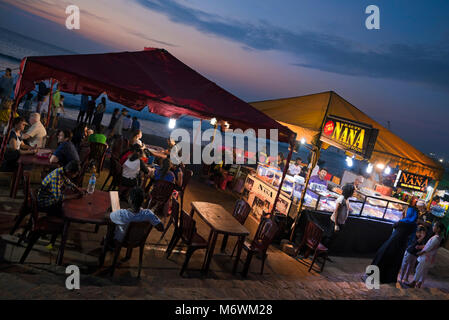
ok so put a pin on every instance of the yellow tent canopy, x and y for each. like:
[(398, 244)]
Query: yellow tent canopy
[(305, 115)]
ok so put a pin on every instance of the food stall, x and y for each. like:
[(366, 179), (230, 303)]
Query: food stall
[(326, 119)]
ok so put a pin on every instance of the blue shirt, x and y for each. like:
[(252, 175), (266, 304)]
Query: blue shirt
[(123, 217), (135, 125), (84, 102), (66, 152), (316, 179), (170, 177)]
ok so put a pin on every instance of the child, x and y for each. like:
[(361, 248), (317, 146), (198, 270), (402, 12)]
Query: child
[(426, 257), (123, 217), (410, 256)]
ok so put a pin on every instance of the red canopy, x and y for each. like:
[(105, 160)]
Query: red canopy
[(152, 78)]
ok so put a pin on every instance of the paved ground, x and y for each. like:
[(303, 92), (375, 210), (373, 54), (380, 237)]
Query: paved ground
[(283, 278)]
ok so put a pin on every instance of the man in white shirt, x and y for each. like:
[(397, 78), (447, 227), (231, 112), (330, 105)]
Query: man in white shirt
[(295, 169), (36, 133)]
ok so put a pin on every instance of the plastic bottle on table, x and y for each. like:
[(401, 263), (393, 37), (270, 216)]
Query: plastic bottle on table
[(92, 181)]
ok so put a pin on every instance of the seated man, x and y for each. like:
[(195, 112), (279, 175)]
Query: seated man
[(123, 217), (36, 133), (66, 150), (318, 179), (51, 193), (295, 169)]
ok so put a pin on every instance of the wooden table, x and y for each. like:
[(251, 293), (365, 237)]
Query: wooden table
[(26, 160), (91, 208), (221, 222)]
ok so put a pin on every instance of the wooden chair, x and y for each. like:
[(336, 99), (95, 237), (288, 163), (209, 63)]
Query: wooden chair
[(159, 195), (115, 172), (25, 208), (187, 233), (265, 234), (240, 213), (312, 242), (172, 209), (187, 175), (97, 153), (41, 226), (136, 236), (78, 181)]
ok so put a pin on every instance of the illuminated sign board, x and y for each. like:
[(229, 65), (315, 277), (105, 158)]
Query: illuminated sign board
[(349, 135), (407, 180)]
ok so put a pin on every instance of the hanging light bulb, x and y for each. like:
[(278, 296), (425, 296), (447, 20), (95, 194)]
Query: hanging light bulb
[(172, 123), (370, 167), (303, 141), (213, 121), (387, 170), (380, 166), (349, 162)]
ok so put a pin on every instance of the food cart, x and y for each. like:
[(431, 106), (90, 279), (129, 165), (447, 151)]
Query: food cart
[(326, 119)]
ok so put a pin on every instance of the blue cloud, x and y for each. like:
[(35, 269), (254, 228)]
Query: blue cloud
[(320, 51)]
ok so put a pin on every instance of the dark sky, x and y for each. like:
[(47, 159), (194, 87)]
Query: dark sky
[(263, 50)]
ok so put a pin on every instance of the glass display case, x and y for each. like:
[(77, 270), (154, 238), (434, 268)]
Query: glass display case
[(272, 176), (370, 205)]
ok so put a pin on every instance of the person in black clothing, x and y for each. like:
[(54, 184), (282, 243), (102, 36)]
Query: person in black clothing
[(389, 256), (79, 133), (411, 254), (115, 116), (90, 110)]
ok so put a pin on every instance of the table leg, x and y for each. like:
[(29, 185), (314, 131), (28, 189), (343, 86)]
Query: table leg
[(224, 243), (192, 212), (239, 252), (15, 185), (65, 232), (210, 252)]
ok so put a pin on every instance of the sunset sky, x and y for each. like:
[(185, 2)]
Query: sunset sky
[(266, 49)]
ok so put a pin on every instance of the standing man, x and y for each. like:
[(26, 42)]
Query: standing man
[(83, 108), (118, 127), (6, 85), (127, 123), (98, 117), (90, 110), (41, 94), (135, 125), (36, 133)]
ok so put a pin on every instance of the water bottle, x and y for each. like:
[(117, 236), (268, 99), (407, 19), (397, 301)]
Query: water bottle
[(92, 181)]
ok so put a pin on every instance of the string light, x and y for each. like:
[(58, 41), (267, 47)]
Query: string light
[(369, 168), (213, 121), (380, 166), (349, 162), (172, 123), (387, 170), (303, 141)]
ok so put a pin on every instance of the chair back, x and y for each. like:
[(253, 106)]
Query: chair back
[(187, 174), (188, 227), (175, 211), (84, 153), (313, 235), (159, 195), (26, 204), (79, 179), (241, 211), (265, 234), (97, 153), (136, 234)]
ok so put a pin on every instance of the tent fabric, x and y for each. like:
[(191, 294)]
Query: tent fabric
[(152, 78), (305, 115)]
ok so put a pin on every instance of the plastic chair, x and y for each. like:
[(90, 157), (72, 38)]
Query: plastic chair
[(187, 233), (136, 236), (312, 242), (159, 195), (172, 209), (41, 226), (25, 208), (265, 234)]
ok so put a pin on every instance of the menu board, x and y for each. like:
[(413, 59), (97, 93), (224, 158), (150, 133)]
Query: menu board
[(411, 181)]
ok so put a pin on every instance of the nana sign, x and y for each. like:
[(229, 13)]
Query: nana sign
[(407, 180), (349, 135)]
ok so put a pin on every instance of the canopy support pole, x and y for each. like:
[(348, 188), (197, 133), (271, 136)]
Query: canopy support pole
[(292, 144), (313, 161), (433, 193), (50, 101)]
